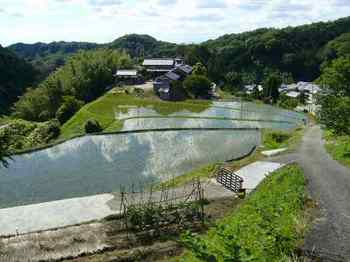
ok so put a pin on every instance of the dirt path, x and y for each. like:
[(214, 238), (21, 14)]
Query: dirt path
[(329, 185)]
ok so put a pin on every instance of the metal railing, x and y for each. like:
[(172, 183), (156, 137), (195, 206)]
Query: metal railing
[(229, 180)]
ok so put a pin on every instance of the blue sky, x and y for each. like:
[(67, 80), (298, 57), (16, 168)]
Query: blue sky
[(180, 21)]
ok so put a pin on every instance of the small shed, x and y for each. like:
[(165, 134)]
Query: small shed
[(128, 77)]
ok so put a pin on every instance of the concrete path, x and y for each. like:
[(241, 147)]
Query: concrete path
[(275, 152), (254, 173), (50, 215), (329, 184), (68, 212)]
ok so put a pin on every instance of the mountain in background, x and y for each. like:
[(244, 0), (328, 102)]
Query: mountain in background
[(299, 52), (15, 76), (143, 46), (47, 57)]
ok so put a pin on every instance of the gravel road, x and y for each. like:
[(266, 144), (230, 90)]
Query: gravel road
[(329, 185)]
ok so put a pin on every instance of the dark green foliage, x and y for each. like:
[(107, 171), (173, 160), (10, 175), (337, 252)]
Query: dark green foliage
[(44, 133), (4, 155), (15, 76), (293, 49), (288, 102), (199, 70), (335, 113), (92, 126), (234, 81), (85, 77), (335, 100), (140, 46), (336, 77), (178, 92), (48, 57), (271, 85), (264, 228), (69, 107), (197, 85), (20, 134), (336, 48)]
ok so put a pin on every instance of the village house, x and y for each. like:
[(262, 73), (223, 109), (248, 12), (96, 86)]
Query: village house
[(128, 77), (161, 65), (164, 85)]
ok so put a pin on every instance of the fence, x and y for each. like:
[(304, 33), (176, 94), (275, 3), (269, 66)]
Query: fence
[(229, 180), (154, 210)]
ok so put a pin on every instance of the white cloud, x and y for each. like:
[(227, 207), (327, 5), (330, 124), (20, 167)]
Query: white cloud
[(170, 20)]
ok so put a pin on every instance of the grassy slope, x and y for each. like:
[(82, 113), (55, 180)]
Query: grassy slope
[(268, 226), (105, 108), (338, 147)]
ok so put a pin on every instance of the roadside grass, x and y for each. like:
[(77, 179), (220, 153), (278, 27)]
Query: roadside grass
[(273, 139), (105, 108), (268, 226), (338, 147)]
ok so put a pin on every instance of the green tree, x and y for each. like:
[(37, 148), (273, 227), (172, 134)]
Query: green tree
[(335, 98), (197, 85), (69, 107), (336, 77), (234, 81), (271, 85), (199, 69), (85, 77)]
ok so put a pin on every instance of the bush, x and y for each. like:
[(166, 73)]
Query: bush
[(44, 133), (275, 139), (68, 109), (92, 126), (21, 134), (198, 85)]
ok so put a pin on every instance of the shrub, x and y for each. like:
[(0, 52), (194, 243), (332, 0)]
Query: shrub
[(44, 133), (21, 134), (68, 109), (198, 85), (92, 126), (275, 139)]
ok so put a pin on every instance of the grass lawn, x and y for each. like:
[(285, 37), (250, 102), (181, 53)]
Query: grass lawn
[(104, 109), (268, 226), (338, 147)]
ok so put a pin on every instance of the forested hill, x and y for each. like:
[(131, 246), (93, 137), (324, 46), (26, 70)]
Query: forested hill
[(15, 76), (298, 50), (144, 46), (47, 57)]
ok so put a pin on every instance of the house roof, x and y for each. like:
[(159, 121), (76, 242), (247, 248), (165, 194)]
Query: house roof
[(293, 94), (158, 62), (172, 76), (186, 68), (126, 72)]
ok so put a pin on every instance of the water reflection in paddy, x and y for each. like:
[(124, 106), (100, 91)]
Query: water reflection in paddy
[(231, 110), (98, 164)]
